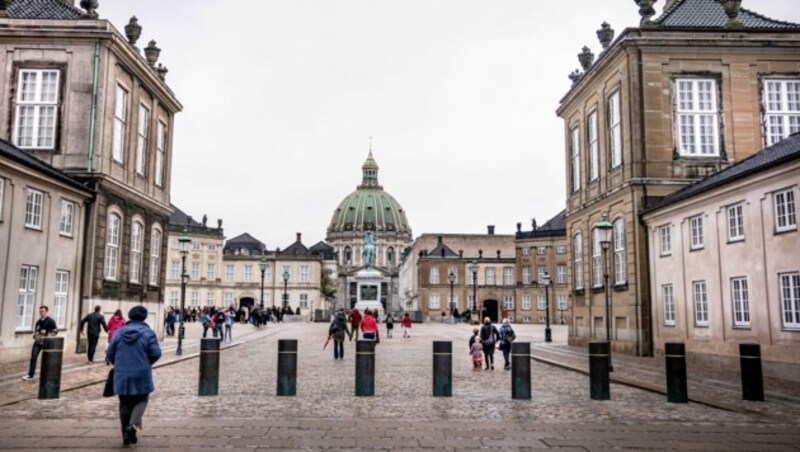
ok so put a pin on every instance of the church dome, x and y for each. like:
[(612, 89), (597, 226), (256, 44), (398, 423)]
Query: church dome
[(369, 208)]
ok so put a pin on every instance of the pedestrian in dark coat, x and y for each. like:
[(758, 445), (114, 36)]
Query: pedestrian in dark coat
[(389, 324), (133, 351), (355, 322), (337, 330), (489, 337), (94, 321)]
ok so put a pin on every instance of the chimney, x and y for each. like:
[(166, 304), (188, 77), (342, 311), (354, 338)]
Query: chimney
[(460, 254), (490, 229), (498, 254), (480, 254), (298, 237), (439, 239), (519, 227)]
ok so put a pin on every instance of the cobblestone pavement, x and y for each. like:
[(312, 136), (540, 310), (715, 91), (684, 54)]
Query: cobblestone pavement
[(402, 415)]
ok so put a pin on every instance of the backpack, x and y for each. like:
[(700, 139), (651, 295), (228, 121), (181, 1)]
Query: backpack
[(509, 335), (489, 340), (334, 328), (220, 318)]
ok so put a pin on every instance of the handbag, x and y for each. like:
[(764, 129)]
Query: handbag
[(108, 390), (489, 340)]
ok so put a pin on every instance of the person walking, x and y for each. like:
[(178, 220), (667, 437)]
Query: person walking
[(219, 323), (489, 337), (369, 327), (355, 323), (133, 351), (507, 336), (207, 323), (230, 317), (44, 327), (169, 319), (94, 322), (406, 323), (116, 322), (476, 351), (389, 325), (336, 331)]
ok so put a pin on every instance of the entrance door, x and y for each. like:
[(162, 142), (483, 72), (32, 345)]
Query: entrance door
[(490, 310), (247, 301)]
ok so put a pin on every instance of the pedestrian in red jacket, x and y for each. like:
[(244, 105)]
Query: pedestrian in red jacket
[(369, 327), (355, 323), (406, 323), (114, 323)]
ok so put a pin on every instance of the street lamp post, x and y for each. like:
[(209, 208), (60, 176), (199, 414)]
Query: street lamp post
[(183, 242), (285, 285), (451, 278), (473, 268), (548, 335), (604, 228), (262, 265)]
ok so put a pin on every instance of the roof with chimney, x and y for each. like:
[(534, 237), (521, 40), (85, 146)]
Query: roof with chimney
[(442, 250), (44, 9), (784, 151), (246, 242), (711, 14), (11, 152), (296, 249)]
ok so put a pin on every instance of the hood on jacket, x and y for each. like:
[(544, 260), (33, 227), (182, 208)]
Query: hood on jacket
[(132, 331)]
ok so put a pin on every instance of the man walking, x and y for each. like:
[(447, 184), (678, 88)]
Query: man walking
[(44, 327), (95, 321)]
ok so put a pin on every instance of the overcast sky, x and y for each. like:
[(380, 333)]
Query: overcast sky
[(280, 99)]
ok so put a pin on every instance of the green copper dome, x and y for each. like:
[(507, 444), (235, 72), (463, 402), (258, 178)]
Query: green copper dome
[(369, 208)]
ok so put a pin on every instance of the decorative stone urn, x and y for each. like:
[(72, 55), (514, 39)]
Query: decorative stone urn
[(646, 10), (151, 53), (575, 76), (732, 8), (586, 58), (91, 8), (162, 72), (3, 6), (133, 30), (605, 35)]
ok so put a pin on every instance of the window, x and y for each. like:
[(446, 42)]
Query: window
[(561, 299), (27, 296), (526, 251), (161, 146), (614, 130), (541, 270), (120, 124), (697, 117), (526, 302), (348, 255), (620, 274), (541, 251), (33, 209), (173, 298), (304, 275), (597, 259), (508, 276), (175, 270), (228, 297), (561, 249), (304, 301), (785, 216), (195, 297), (136, 252), (434, 276), (228, 273), (669, 305), (790, 299), (36, 109), (155, 256), (67, 217), (700, 303), (490, 276), (390, 255), (248, 273), (212, 247), (696, 225), (433, 301), (112, 246), (781, 109), (576, 159), (735, 223), (60, 298), (210, 301), (577, 261), (142, 131), (741, 302), (197, 246), (542, 302), (526, 275), (211, 271), (665, 235), (561, 274), (508, 302), (471, 302), (195, 271), (594, 151)]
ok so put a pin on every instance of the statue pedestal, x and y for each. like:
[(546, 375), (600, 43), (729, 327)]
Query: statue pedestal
[(368, 281)]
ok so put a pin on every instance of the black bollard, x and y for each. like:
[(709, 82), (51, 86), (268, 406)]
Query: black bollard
[(287, 367), (365, 368), (677, 388), (209, 367), (521, 370), (599, 359), (442, 369), (50, 376), (752, 378)]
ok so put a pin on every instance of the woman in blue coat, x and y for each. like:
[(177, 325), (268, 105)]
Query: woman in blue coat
[(133, 351)]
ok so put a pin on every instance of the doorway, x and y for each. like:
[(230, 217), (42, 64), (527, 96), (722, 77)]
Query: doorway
[(490, 310)]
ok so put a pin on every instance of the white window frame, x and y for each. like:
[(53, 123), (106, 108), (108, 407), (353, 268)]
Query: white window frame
[(211, 271), (696, 232), (508, 302), (175, 269), (577, 261), (575, 159), (34, 208), (668, 298), (735, 223), (229, 273), (304, 274), (173, 297), (541, 302), (36, 108), (561, 299), (526, 275), (227, 298), (526, 251), (248, 273), (471, 302), (526, 302), (561, 274), (433, 301), (471, 277), (137, 241), (785, 210), (120, 124), (618, 243), (561, 249), (614, 130), (195, 271), (700, 301), (142, 139), (161, 152), (740, 298), (60, 298), (597, 259), (195, 297), (433, 277), (541, 251), (303, 303), (155, 255), (781, 108), (508, 276), (66, 225), (594, 148), (697, 117), (790, 298), (491, 276), (26, 299), (113, 234), (665, 240), (211, 300), (540, 271)]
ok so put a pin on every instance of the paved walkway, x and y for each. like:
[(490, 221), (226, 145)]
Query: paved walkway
[(402, 415)]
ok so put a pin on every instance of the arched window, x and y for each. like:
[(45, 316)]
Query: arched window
[(348, 255), (137, 238), (155, 255), (577, 261), (113, 225), (620, 273), (390, 255)]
